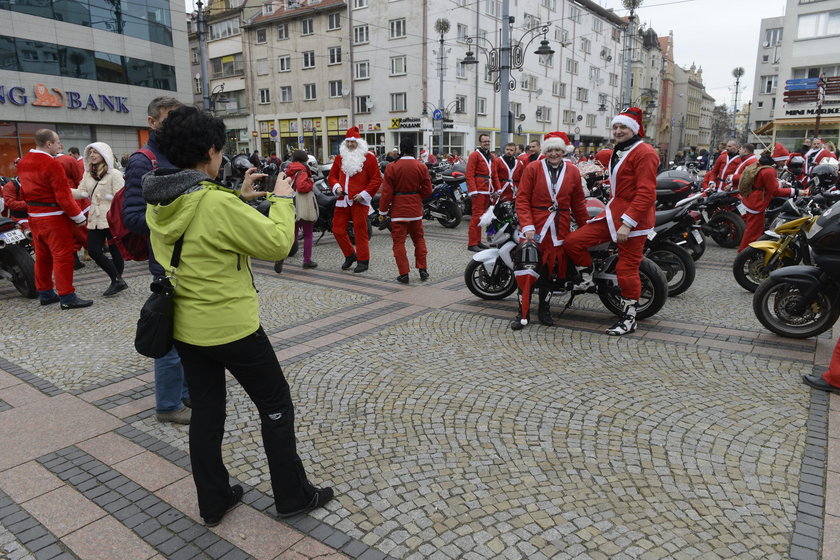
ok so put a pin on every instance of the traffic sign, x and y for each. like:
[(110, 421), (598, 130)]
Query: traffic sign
[(800, 87), (800, 81), (273, 133), (437, 114)]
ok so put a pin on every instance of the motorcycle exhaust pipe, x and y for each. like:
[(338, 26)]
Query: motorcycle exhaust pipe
[(29, 236)]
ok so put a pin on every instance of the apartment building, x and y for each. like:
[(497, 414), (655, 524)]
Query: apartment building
[(766, 81), (666, 95), (647, 70), (687, 109)]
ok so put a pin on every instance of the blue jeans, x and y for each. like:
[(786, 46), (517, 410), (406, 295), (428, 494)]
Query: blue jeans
[(170, 384)]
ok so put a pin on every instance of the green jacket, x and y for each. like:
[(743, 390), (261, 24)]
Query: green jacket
[(215, 297)]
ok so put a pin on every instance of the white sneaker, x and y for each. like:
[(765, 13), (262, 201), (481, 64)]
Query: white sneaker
[(586, 282), (624, 325)]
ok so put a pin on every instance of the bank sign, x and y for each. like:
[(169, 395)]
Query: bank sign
[(41, 96)]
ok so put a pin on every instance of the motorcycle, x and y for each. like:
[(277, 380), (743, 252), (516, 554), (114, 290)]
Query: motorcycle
[(804, 301), (719, 220), (668, 245), (16, 262), (443, 205), (489, 274), (672, 186)]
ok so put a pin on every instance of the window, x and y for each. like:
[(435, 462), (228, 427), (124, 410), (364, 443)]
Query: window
[(397, 27), (568, 117), (363, 103), (196, 58), (285, 94), (261, 36), (585, 45), (197, 86), (397, 102), (265, 96), (543, 114), (308, 59), (768, 83), (571, 66), (262, 66), (309, 92), (530, 21), (558, 89), (284, 63), (516, 109), (361, 70), (267, 9), (463, 31), (613, 79), (765, 58), (398, 65), (488, 74), (529, 83), (223, 29), (760, 104), (582, 94), (334, 55), (335, 88), (283, 31), (334, 21), (773, 36), (616, 35), (590, 120), (460, 103), (550, 4), (606, 54), (360, 35), (227, 66), (574, 14), (597, 26), (818, 25), (307, 27), (481, 106), (360, 4), (491, 8), (561, 35), (460, 70), (594, 73), (602, 99)]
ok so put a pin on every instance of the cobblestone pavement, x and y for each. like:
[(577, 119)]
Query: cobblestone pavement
[(445, 434)]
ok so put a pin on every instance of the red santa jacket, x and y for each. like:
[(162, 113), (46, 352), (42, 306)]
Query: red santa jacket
[(536, 198), (404, 187), (45, 187), (813, 158), (301, 177), (723, 167), (13, 199), (365, 182), (479, 174), (71, 168), (743, 162), (504, 175), (766, 186), (633, 190)]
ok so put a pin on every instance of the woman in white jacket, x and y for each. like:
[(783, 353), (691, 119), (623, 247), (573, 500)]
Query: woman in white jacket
[(100, 183)]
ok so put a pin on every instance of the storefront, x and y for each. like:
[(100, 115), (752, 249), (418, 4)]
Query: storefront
[(288, 137), (373, 134), (336, 129), (799, 124)]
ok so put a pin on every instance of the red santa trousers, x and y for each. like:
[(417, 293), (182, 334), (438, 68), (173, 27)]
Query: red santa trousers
[(414, 228), (480, 204), (630, 255), (358, 214), (754, 229), (53, 238), (832, 374)]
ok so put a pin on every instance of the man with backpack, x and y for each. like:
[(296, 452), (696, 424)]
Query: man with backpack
[(171, 394)]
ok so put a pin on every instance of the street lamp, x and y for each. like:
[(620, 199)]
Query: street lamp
[(630, 5), (737, 72), (442, 27), (506, 57), (217, 96)]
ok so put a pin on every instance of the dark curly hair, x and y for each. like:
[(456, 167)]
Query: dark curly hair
[(187, 134)]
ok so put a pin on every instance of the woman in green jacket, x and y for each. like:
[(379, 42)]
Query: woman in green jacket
[(216, 325)]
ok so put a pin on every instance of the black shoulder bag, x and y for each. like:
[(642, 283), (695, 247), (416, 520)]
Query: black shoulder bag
[(155, 326)]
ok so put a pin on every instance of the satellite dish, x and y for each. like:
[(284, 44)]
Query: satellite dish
[(765, 44), (198, 76), (345, 91), (539, 91), (521, 117), (370, 104)]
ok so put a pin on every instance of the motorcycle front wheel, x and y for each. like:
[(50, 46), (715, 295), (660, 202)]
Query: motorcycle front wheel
[(489, 286), (654, 291), (453, 214), (779, 306), (750, 271), (727, 229), (677, 265), (19, 263)]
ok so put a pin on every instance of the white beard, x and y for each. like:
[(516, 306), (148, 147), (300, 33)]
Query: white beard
[(352, 161)]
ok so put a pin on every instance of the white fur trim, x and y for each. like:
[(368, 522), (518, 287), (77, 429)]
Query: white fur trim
[(626, 121), (553, 144)]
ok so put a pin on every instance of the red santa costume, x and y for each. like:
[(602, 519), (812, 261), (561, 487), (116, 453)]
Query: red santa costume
[(723, 168), (480, 185), (52, 213), (766, 186), (815, 155), (505, 171), (632, 203), (404, 187), (15, 205), (355, 175)]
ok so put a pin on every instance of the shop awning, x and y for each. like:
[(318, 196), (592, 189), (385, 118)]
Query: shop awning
[(796, 123)]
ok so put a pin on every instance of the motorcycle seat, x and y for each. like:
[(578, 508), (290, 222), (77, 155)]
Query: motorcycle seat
[(665, 216)]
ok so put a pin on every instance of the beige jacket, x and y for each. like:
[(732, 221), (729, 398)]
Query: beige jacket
[(100, 192)]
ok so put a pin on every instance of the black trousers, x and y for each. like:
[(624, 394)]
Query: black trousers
[(252, 361), (96, 239)]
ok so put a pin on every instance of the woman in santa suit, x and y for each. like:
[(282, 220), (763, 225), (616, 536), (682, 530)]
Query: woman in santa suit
[(550, 190), (628, 218)]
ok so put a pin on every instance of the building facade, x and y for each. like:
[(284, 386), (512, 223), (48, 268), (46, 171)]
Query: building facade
[(648, 67), (687, 109), (87, 70), (767, 63), (664, 123)]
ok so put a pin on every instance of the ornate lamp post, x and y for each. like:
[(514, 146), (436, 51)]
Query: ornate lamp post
[(736, 73)]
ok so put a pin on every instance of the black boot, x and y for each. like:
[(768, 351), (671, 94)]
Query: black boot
[(543, 311), (348, 262), (361, 266)]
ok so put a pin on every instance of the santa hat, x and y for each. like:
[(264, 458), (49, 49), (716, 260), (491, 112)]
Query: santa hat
[(780, 153), (555, 141), (353, 133), (632, 119)]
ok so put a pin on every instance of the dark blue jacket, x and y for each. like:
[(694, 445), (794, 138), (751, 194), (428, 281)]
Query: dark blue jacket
[(134, 206)]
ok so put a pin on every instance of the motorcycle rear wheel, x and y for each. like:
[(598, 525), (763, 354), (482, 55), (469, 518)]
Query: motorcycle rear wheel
[(677, 265), (731, 228), (750, 271), (453, 212), (487, 286), (654, 291), (774, 305), (20, 264)]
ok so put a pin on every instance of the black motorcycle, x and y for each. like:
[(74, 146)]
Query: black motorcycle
[(16, 262), (719, 219), (804, 301), (443, 205), (675, 236)]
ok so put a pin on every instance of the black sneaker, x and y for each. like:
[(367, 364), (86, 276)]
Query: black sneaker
[(348, 262), (116, 286), (49, 300), (402, 278), (424, 274), (310, 264), (321, 497), (817, 382), (77, 303), (235, 498), (361, 266)]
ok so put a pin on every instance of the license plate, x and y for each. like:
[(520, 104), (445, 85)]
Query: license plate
[(12, 236), (697, 235)]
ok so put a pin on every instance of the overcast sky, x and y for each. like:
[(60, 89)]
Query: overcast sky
[(717, 35)]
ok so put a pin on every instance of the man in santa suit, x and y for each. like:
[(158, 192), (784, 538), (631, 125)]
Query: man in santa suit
[(550, 190), (354, 179), (53, 214), (404, 187), (746, 156), (628, 218), (481, 184), (533, 154), (816, 154), (723, 167), (765, 187), (504, 168)]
